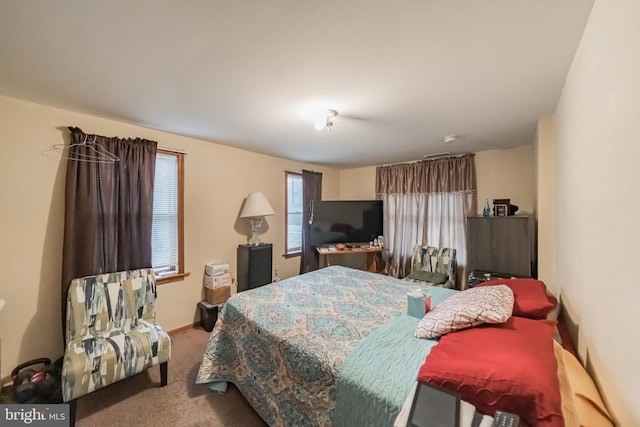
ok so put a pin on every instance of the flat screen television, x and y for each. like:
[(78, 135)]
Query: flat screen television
[(345, 221)]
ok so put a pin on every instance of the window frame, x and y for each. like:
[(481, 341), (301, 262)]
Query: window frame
[(180, 274), (288, 254)]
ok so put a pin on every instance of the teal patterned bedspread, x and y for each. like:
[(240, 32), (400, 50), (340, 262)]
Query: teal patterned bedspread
[(378, 374), (283, 344)]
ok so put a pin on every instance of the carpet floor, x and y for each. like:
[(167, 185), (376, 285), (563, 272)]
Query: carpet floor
[(140, 401)]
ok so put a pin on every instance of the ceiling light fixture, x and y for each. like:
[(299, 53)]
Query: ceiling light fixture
[(326, 122), (449, 138)]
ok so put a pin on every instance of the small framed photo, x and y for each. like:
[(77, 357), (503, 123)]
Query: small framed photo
[(501, 210)]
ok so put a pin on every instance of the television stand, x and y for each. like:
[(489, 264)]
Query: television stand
[(371, 251)]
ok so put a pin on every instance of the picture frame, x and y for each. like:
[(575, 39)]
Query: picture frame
[(505, 206), (500, 210)]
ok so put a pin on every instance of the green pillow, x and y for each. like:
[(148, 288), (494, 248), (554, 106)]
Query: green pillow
[(428, 276)]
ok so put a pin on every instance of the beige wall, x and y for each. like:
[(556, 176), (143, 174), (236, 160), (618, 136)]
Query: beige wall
[(544, 159), (217, 178), (597, 130), (358, 184), (506, 174)]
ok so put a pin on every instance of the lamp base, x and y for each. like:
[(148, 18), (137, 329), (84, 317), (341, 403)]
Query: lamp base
[(256, 224)]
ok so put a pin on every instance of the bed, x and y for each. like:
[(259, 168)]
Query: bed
[(332, 347)]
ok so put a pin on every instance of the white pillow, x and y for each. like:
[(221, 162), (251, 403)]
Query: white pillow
[(472, 307)]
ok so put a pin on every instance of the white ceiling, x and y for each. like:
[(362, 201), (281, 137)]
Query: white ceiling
[(402, 74)]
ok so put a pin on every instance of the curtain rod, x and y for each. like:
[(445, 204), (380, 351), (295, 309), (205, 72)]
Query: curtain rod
[(427, 157), (77, 129)]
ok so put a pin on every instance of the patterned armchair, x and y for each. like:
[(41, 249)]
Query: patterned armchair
[(436, 266), (111, 332)]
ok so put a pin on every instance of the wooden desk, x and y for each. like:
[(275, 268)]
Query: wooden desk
[(372, 255)]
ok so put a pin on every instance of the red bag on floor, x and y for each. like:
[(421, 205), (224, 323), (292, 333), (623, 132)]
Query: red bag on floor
[(37, 381)]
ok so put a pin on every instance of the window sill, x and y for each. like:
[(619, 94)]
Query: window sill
[(178, 277), (292, 255)]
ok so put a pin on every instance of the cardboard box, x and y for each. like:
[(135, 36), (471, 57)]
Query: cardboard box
[(219, 281), (216, 267), (218, 295)]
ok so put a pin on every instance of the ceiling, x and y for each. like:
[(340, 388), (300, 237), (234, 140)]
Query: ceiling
[(401, 74)]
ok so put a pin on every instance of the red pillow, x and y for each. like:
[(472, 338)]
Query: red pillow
[(530, 295), (509, 366)]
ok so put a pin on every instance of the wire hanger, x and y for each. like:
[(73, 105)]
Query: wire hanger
[(94, 152)]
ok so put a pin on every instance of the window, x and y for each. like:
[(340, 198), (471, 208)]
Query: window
[(167, 241), (293, 227)]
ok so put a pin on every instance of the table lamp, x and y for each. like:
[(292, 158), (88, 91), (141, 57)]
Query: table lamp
[(255, 208)]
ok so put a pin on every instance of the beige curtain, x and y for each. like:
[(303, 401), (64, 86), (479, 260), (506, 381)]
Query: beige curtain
[(426, 203)]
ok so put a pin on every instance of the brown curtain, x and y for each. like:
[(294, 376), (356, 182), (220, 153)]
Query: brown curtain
[(445, 175), (108, 207), (311, 191)]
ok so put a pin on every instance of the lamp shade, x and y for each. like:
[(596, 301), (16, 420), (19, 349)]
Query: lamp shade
[(256, 205)]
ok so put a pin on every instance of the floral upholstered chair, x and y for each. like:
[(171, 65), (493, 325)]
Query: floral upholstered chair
[(111, 332), (433, 265)]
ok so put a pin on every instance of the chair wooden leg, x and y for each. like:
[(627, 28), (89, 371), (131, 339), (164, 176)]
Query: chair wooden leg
[(72, 412), (163, 374)]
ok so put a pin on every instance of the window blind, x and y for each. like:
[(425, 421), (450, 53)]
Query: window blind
[(164, 234), (294, 213)]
